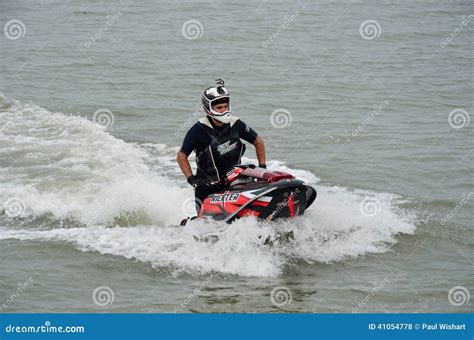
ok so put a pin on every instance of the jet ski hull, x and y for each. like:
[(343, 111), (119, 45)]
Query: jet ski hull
[(267, 195), (283, 199)]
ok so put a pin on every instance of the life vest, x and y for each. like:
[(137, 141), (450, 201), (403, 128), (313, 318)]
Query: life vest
[(225, 150)]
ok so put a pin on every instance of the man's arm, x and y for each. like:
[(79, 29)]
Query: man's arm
[(260, 150), (249, 135), (184, 165), (189, 144)]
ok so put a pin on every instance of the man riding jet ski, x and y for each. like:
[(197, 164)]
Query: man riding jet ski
[(225, 190), (216, 140)]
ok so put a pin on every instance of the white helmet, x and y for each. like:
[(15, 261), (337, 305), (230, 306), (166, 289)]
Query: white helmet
[(217, 95)]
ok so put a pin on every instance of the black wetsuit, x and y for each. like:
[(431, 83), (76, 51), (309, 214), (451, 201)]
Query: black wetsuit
[(217, 150)]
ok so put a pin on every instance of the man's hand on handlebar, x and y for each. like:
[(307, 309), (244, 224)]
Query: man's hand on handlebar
[(197, 182)]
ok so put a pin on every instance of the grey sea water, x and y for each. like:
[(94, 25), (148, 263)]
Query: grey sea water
[(369, 101)]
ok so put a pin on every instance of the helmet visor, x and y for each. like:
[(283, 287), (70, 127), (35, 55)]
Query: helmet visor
[(222, 100), (218, 101)]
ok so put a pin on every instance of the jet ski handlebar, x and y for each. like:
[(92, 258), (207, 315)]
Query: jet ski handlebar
[(253, 171)]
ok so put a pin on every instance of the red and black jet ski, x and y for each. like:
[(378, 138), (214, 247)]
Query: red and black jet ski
[(253, 191)]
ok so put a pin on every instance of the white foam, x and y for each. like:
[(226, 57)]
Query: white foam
[(336, 228), (67, 167), (236, 253), (75, 169)]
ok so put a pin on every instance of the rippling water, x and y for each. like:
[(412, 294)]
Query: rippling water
[(370, 102)]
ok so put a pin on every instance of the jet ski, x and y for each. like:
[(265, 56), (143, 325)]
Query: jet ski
[(253, 191)]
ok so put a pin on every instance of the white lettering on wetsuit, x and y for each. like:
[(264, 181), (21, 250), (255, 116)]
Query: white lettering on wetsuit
[(226, 147)]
